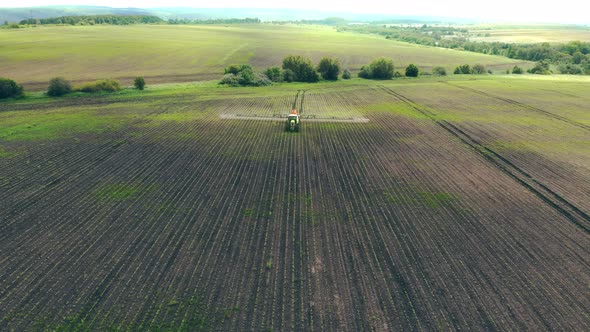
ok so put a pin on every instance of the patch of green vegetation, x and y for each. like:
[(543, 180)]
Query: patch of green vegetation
[(48, 125), (435, 200), (4, 153), (248, 212), (117, 192)]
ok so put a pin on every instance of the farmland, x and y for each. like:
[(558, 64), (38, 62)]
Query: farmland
[(164, 53), (530, 33), (407, 205)]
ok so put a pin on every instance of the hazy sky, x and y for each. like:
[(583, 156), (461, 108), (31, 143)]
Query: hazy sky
[(566, 11)]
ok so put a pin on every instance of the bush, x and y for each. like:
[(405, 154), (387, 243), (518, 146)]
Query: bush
[(139, 83), (244, 76), (478, 69), (302, 68), (397, 74), (412, 70), (274, 74), (570, 69), (463, 69), (379, 69), (517, 70), (439, 71), (107, 85), (232, 69), (58, 86), (260, 79), (366, 72), (231, 80), (382, 69), (346, 74), (329, 68), (288, 75), (9, 88)]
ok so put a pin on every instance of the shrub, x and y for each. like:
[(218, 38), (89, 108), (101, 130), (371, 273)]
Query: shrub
[(516, 70), (107, 85), (302, 68), (9, 88), (346, 74), (260, 79), (139, 83), (231, 80), (329, 68), (412, 70), (274, 74), (570, 69), (380, 69), (439, 71), (397, 74), (463, 69), (366, 72), (479, 69), (232, 69), (246, 75), (58, 86)]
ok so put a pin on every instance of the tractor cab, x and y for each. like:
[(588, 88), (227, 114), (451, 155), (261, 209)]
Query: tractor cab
[(293, 121)]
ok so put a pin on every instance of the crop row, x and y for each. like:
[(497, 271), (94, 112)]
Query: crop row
[(184, 220)]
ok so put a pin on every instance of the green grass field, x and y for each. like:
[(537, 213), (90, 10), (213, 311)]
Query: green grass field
[(164, 53)]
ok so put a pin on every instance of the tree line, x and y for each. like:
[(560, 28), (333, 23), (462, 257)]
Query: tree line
[(129, 19), (296, 68), (569, 58), (96, 19), (246, 20)]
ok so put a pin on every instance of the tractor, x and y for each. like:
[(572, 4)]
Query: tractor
[(293, 121)]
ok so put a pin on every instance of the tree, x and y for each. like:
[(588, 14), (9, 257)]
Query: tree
[(517, 70), (58, 86), (288, 75), (479, 69), (382, 69), (346, 74), (274, 74), (232, 69), (541, 68), (329, 68), (366, 72), (577, 58), (412, 70), (439, 71), (139, 83), (302, 68), (9, 88)]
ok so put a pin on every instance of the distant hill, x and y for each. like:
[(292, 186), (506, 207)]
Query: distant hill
[(14, 15)]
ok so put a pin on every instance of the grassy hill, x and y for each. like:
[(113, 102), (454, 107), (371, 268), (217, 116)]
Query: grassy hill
[(165, 53)]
